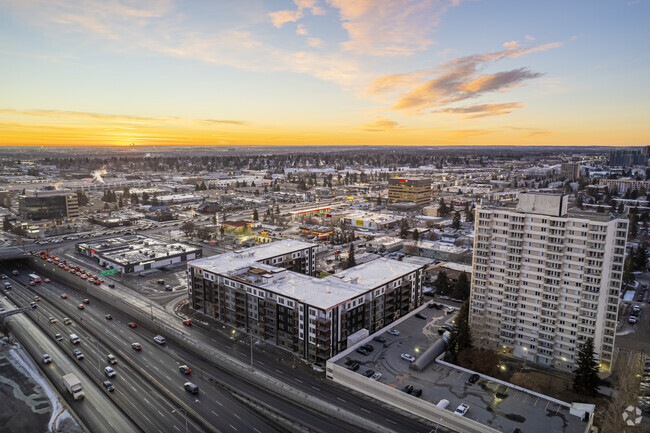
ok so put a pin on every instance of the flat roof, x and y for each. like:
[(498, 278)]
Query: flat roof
[(231, 261), (377, 272), (125, 250)]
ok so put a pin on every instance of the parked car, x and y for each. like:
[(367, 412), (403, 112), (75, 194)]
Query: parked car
[(409, 358), (380, 339), (368, 373), (474, 378), (462, 409), (362, 350), (420, 316), (368, 347), (408, 389), (354, 365), (632, 319), (417, 392), (393, 332), (375, 376)]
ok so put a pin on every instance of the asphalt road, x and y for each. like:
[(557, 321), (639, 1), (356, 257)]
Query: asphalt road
[(216, 406), (97, 411), (267, 361)]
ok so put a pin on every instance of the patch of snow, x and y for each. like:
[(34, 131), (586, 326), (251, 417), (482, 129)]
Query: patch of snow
[(626, 332), (629, 295), (26, 362)]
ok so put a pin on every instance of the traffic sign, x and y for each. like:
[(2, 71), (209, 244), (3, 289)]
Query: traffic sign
[(108, 272)]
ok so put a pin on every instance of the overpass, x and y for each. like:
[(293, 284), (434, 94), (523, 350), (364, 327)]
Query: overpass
[(15, 252)]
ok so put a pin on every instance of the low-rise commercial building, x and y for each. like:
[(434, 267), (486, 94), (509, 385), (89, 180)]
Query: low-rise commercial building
[(137, 253), (409, 190), (48, 204)]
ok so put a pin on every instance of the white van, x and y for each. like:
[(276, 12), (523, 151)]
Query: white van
[(442, 404), (74, 339)]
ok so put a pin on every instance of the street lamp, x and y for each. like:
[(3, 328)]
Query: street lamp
[(176, 410)]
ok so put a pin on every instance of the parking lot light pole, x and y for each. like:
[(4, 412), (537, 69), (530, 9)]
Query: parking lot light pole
[(176, 410)]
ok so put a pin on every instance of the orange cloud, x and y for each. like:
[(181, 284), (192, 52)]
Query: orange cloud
[(483, 110), (389, 28), (381, 124), (280, 18)]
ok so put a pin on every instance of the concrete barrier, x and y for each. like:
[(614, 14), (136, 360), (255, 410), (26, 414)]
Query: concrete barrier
[(404, 401)]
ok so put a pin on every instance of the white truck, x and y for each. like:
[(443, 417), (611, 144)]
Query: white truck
[(73, 385)]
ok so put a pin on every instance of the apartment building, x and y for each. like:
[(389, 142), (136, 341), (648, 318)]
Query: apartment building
[(409, 190), (545, 279), (268, 291), (623, 185)]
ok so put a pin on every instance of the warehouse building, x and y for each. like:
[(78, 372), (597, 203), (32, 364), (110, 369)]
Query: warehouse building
[(137, 253)]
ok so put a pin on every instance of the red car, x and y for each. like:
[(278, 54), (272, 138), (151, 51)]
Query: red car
[(64, 296), (108, 317), (133, 325), (187, 322)]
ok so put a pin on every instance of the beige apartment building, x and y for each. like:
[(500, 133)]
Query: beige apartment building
[(545, 279)]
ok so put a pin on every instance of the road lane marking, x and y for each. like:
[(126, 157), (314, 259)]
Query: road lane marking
[(214, 413), (177, 428), (390, 421), (238, 417), (340, 399), (278, 370), (298, 380), (233, 427), (259, 362), (317, 389), (365, 410), (217, 401), (256, 430)]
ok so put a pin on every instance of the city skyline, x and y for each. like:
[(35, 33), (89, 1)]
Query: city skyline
[(324, 72)]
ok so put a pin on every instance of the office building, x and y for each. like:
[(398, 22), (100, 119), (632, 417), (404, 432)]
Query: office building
[(269, 291), (545, 279), (628, 157), (48, 204), (409, 190)]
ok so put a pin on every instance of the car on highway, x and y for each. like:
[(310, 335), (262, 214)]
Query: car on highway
[(67, 321), (53, 319), (184, 369), (37, 298), (47, 280), (409, 358), (81, 306), (64, 296), (4, 276), (78, 354), (111, 285), (474, 378), (86, 301), (136, 346), (187, 322), (58, 337), (159, 339), (111, 359), (108, 317), (108, 385), (33, 304), (109, 371), (190, 387), (46, 358), (31, 283), (393, 332), (133, 325), (462, 409)]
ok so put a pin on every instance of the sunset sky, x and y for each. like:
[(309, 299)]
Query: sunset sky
[(428, 72)]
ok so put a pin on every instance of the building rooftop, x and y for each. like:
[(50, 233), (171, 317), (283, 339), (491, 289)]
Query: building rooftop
[(234, 260), (125, 250), (377, 272)]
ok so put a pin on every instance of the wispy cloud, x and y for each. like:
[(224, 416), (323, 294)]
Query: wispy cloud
[(226, 122), (301, 30), (381, 124), (483, 110), (511, 45), (280, 18), (315, 42), (389, 28), (453, 81)]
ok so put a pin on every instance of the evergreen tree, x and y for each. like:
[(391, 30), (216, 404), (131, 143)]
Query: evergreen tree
[(404, 229), (6, 225), (469, 214), (461, 336), (256, 216), (579, 204), (586, 378), (456, 222), (634, 226), (442, 283), (443, 209), (640, 258), (628, 276), (416, 235), (351, 261), (462, 287)]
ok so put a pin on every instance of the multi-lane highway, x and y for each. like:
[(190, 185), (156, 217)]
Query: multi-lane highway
[(148, 384)]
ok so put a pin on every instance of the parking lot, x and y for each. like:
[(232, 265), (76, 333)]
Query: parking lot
[(492, 404)]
